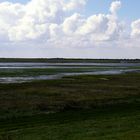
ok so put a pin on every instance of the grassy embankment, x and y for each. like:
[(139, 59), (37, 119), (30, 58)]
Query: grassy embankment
[(73, 108)]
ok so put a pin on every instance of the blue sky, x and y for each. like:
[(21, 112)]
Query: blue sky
[(100, 29), (130, 8)]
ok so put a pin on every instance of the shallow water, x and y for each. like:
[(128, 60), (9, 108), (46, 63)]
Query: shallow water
[(59, 76), (59, 65), (118, 69)]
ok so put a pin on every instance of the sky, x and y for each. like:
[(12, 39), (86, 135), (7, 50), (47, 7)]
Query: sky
[(70, 28)]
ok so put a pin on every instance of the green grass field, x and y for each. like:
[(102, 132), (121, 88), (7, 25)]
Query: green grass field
[(101, 107)]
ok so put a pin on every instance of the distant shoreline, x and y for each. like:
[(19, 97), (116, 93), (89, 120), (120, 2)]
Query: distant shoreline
[(69, 60)]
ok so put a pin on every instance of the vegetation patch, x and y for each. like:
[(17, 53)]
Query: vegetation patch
[(73, 108)]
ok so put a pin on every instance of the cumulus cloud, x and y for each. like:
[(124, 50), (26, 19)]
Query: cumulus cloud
[(74, 4), (99, 27), (9, 14), (135, 29), (115, 6), (59, 23), (51, 18), (22, 22)]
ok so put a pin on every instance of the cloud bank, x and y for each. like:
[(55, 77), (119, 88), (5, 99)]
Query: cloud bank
[(57, 23)]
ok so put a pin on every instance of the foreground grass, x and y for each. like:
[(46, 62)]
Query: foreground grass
[(74, 108), (112, 123)]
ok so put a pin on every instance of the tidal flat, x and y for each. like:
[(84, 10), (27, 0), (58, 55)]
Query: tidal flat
[(19, 72), (73, 107)]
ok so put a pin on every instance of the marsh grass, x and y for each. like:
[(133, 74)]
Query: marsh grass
[(73, 108), (25, 72), (70, 92)]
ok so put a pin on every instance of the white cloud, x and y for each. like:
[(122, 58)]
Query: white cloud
[(51, 18), (9, 14), (60, 24), (72, 23), (115, 6), (20, 22), (99, 27), (135, 29), (75, 4)]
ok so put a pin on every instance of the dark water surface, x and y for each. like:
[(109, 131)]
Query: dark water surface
[(58, 65), (105, 69)]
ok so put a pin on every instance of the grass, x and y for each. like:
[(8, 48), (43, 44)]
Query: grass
[(101, 107), (110, 123), (25, 72), (44, 71), (29, 71)]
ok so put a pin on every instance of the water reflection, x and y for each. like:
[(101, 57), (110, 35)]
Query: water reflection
[(59, 76), (115, 68), (59, 65)]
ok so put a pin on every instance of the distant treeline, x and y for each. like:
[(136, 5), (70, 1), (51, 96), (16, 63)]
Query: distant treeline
[(64, 60)]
